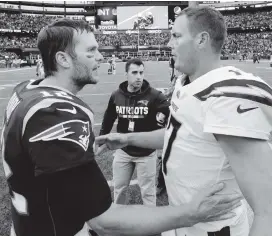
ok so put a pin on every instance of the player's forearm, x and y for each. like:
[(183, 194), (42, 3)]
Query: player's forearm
[(152, 140), (261, 225), (140, 220)]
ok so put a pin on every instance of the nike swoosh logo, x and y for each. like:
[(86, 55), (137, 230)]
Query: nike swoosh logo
[(241, 110), (73, 111)]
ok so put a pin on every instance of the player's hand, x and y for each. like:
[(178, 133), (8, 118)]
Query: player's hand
[(209, 205), (111, 141)]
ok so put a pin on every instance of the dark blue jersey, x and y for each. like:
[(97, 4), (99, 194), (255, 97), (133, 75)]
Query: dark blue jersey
[(54, 180)]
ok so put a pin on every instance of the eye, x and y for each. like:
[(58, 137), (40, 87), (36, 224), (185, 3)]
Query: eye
[(174, 35), (92, 49)]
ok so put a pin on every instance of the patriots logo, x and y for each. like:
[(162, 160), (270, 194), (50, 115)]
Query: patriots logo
[(143, 102), (75, 131)]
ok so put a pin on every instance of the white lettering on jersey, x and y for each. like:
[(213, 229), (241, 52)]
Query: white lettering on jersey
[(58, 93), (12, 104)]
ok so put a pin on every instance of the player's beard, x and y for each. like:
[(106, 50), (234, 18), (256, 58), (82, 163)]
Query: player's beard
[(82, 74)]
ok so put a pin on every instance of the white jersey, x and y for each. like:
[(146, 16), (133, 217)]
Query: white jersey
[(113, 60), (224, 101)]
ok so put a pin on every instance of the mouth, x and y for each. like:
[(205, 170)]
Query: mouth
[(96, 67)]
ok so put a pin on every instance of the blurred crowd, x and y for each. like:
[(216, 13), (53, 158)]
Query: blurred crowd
[(255, 20), (245, 43), (123, 39), (15, 42), (24, 22), (248, 43), (258, 19)]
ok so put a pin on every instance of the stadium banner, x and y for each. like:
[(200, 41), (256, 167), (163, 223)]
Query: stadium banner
[(10, 30), (142, 17), (133, 31), (144, 47), (107, 48), (106, 18), (173, 12), (129, 47)]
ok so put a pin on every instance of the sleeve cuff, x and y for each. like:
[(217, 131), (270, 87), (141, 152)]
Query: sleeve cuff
[(236, 132)]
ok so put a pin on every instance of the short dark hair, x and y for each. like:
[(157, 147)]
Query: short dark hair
[(56, 37), (209, 20), (135, 61)]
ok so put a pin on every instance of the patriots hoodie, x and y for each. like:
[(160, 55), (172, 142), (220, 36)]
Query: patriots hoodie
[(148, 109)]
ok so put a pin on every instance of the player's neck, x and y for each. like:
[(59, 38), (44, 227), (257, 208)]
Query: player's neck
[(61, 83), (204, 67)]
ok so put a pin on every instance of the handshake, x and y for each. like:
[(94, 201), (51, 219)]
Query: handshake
[(210, 204)]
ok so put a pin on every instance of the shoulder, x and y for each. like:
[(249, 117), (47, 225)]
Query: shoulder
[(48, 104), (58, 110), (240, 106)]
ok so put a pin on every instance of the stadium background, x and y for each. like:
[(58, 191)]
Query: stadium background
[(129, 29)]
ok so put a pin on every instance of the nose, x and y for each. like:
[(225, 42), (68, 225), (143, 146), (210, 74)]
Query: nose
[(170, 45), (99, 57), (139, 76)]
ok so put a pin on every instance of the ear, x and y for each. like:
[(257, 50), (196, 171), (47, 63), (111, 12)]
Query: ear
[(63, 59), (202, 39)]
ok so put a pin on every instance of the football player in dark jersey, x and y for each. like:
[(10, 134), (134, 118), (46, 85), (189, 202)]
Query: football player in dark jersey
[(48, 152)]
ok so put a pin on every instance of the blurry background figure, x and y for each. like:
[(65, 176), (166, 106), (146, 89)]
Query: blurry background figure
[(137, 107), (112, 65), (40, 69), (256, 58)]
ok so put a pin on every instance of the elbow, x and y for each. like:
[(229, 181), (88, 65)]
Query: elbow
[(103, 230), (100, 229), (104, 227)]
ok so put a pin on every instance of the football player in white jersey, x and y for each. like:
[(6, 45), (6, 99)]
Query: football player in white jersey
[(219, 129)]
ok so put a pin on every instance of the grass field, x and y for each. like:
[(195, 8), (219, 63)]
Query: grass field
[(97, 96)]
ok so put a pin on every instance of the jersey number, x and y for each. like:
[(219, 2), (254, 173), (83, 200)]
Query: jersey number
[(59, 94), (19, 202), (176, 125)]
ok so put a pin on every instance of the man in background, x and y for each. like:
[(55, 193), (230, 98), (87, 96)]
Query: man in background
[(138, 107)]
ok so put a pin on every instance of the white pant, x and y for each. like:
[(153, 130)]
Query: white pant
[(123, 168)]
